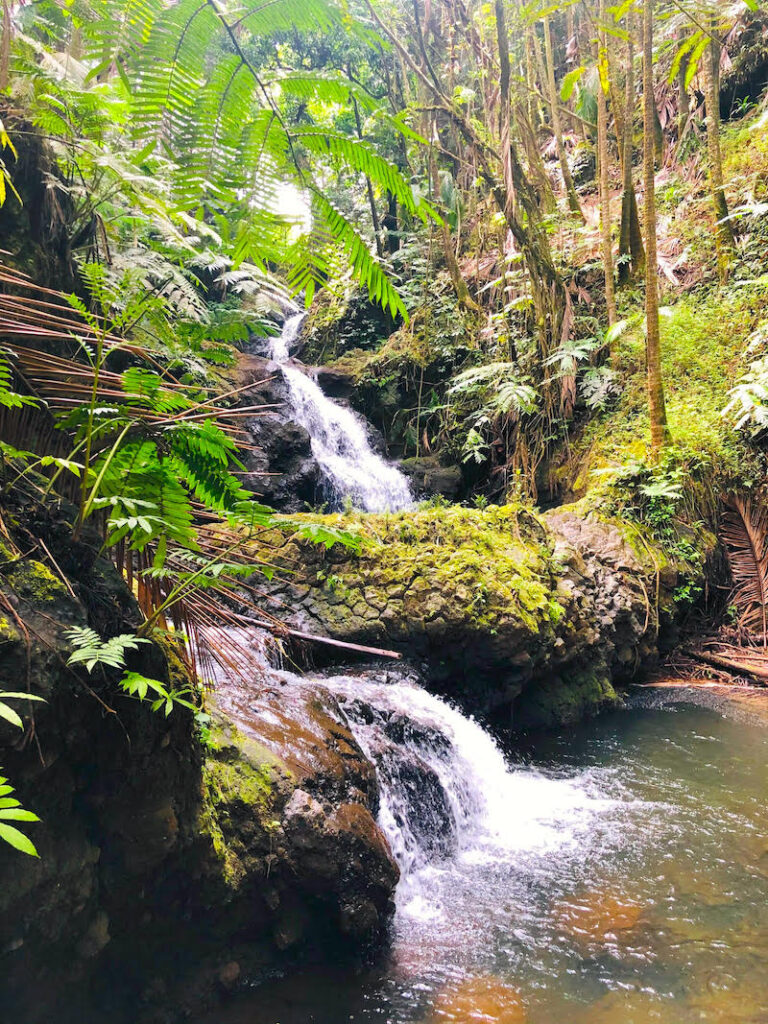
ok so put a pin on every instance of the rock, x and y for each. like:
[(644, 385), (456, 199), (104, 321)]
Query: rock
[(483, 998), (524, 618), (429, 476), (583, 163), (597, 919), (150, 843), (229, 974), (335, 381)]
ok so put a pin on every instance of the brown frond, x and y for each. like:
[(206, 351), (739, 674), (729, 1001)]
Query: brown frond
[(744, 531)]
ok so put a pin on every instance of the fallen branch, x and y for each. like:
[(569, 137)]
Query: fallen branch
[(312, 638), (734, 667)]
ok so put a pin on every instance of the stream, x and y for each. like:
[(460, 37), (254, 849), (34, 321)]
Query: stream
[(619, 876), (614, 873)]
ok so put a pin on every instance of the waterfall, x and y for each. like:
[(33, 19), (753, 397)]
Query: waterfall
[(339, 440), (448, 794)]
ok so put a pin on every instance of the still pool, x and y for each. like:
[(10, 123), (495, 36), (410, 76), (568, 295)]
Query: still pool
[(617, 874)]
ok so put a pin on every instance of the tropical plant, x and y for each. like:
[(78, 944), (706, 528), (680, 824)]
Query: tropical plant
[(744, 529), (11, 810)]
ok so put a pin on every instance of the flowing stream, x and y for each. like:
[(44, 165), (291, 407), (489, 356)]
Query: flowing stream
[(339, 437), (617, 874), (621, 877)]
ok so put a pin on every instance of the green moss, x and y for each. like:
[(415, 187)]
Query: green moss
[(557, 702), (241, 780), (486, 565), (8, 634), (35, 581), (703, 343)]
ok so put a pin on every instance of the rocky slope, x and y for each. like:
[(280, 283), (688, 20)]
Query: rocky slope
[(172, 864)]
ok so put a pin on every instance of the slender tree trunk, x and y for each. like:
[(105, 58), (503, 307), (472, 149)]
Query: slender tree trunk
[(656, 405), (5, 44), (459, 284), (557, 128), (683, 100), (710, 63), (602, 162), (369, 188), (631, 248), (391, 226), (534, 110)]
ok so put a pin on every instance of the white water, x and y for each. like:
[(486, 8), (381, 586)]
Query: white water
[(339, 440), (494, 813)]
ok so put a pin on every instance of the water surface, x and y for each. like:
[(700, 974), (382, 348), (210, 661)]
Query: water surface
[(619, 875)]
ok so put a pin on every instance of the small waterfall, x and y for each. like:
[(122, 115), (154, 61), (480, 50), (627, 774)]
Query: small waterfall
[(339, 440), (447, 792)]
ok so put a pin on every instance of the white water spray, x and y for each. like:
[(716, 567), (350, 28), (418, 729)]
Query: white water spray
[(339, 440), (483, 809)]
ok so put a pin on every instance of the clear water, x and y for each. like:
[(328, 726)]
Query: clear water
[(339, 438), (617, 876)]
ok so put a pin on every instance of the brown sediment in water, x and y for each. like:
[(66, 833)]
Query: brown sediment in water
[(484, 999), (597, 918)]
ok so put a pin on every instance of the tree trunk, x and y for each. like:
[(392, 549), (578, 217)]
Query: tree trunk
[(631, 249), (602, 162), (557, 128), (683, 101), (369, 188), (391, 225), (459, 284), (710, 63), (546, 286), (656, 406)]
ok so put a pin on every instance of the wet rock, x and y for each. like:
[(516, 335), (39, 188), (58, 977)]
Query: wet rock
[(229, 974), (429, 476), (597, 919), (335, 381)]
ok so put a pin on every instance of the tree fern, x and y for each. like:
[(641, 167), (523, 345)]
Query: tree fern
[(220, 119)]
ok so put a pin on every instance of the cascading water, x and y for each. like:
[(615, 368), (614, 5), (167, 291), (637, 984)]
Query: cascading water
[(624, 881), (339, 440), (448, 795)]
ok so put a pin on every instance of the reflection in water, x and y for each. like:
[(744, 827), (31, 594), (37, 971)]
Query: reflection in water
[(621, 879)]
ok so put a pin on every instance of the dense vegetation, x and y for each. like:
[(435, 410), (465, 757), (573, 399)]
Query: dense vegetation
[(561, 209)]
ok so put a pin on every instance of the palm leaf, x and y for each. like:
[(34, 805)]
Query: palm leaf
[(744, 531)]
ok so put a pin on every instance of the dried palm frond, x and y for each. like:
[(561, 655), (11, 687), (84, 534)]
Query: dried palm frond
[(744, 531)]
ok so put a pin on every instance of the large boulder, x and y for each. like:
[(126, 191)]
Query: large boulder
[(526, 618), (430, 475), (174, 863)]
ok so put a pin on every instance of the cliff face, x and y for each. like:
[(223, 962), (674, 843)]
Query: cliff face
[(172, 862), (527, 618)]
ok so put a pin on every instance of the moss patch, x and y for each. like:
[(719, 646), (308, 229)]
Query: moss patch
[(34, 581), (482, 566)]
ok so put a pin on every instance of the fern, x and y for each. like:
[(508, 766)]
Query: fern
[(198, 96), (11, 810), (91, 650)]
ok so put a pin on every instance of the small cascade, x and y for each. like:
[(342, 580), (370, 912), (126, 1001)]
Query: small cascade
[(339, 439), (447, 792)]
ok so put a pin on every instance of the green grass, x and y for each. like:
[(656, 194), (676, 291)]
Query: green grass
[(704, 338)]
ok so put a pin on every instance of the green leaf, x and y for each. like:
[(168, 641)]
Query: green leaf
[(18, 840), (10, 715), (17, 814), (570, 82)]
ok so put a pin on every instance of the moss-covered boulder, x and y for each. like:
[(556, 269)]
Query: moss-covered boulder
[(503, 606), (173, 864)]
